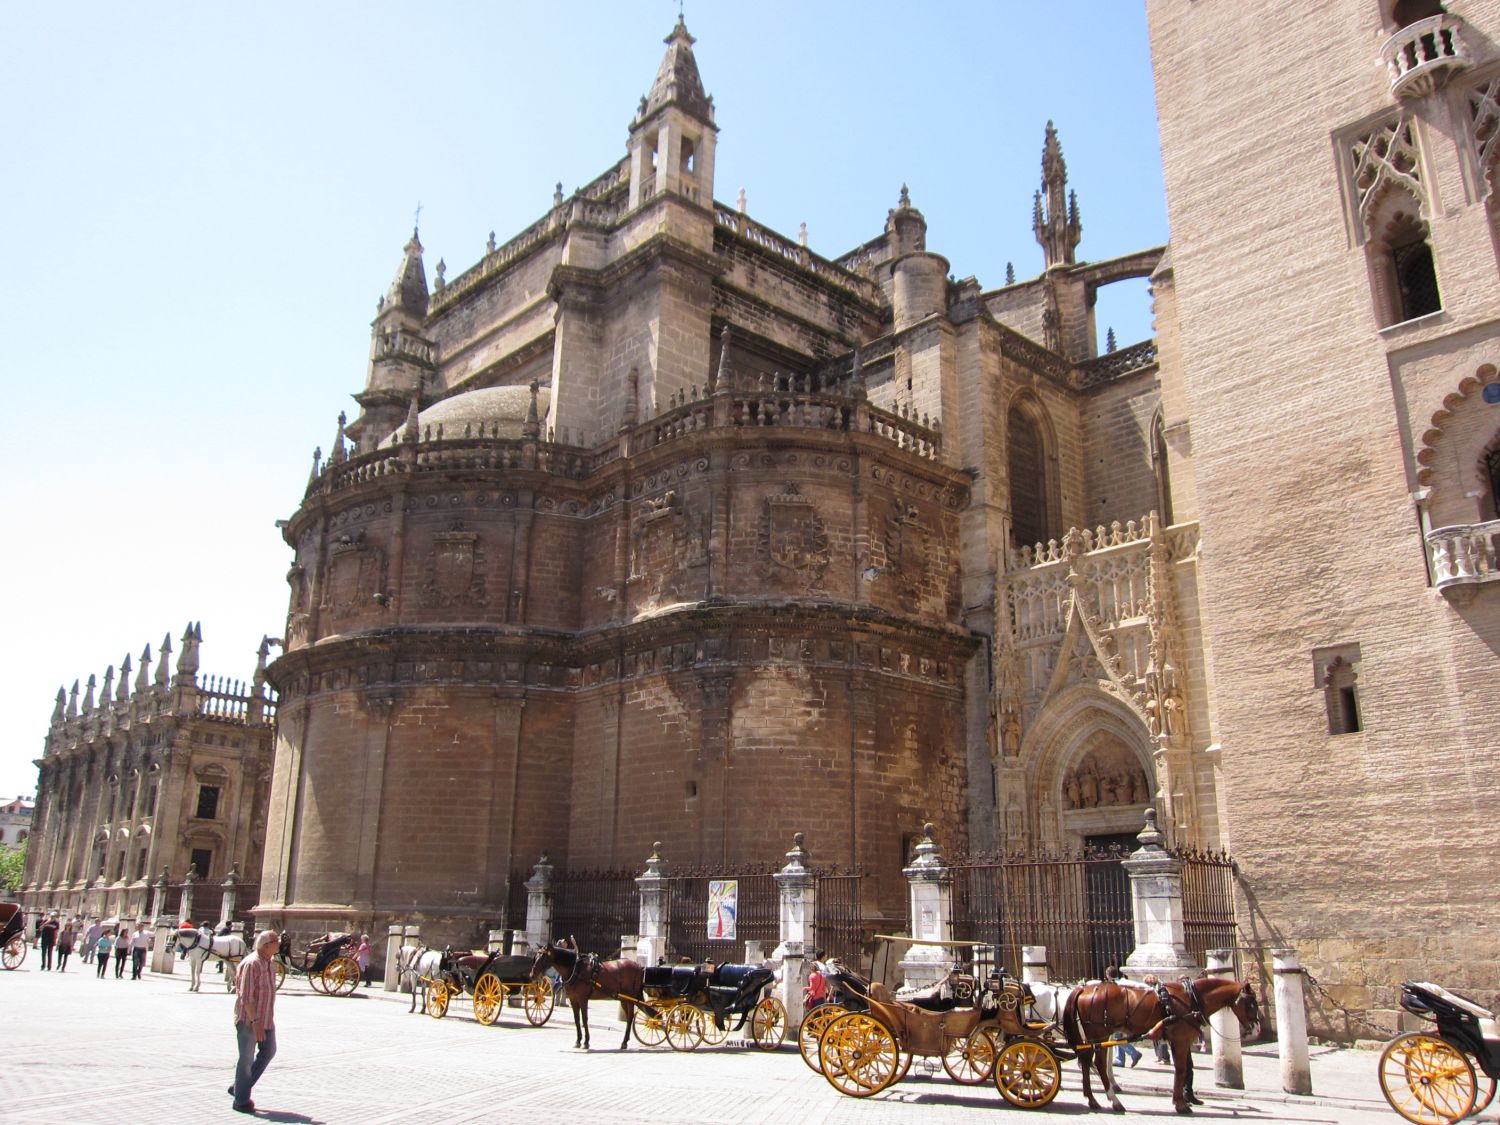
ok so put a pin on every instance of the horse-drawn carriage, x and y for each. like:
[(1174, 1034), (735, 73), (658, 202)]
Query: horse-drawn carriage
[(490, 979), (693, 1004), (12, 935), (326, 963), (1437, 1078), (978, 1033)]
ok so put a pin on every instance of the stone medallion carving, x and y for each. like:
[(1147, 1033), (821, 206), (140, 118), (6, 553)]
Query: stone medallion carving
[(356, 573), (455, 574), (1106, 779), (906, 553), (669, 539), (793, 543)]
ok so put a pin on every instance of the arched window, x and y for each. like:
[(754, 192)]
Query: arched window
[(1026, 458), (1492, 477), (1401, 265), (1404, 13)]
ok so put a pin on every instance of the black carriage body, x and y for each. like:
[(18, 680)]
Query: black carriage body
[(14, 922), (1456, 1026), (723, 990), (508, 969)]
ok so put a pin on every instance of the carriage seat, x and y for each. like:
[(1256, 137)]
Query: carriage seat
[(511, 968), (732, 976), (1489, 1027), (676, 980)]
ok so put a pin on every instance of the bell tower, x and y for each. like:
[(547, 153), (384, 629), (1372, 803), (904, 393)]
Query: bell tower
[(672, 137)]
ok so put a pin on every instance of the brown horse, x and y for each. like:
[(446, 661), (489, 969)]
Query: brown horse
[(585, 978), (1096, 1011)]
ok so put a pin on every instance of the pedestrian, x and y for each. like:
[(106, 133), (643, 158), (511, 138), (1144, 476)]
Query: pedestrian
[(122, 951), (254, 1018), (91, 939), (362, 954), (138, 946), (65, 938), (46, 937), (1163, 1052), (103, 944)]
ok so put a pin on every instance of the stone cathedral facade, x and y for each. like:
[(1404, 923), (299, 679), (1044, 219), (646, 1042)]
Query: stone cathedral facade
[(656, 525)]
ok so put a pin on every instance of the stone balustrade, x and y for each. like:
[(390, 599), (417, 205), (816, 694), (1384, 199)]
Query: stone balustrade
[(1113, 365), (1419, 57), (1463, 556), (798, 255)]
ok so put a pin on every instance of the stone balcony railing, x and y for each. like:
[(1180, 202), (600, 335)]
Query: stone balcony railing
[(1462, 557), (1419, 57)]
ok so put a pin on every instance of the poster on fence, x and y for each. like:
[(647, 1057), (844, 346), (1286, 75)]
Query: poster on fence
[(723, 900)]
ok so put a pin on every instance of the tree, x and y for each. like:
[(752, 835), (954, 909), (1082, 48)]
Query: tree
[(12, 864)]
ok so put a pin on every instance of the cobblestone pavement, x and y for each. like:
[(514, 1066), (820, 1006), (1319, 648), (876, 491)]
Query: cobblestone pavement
[(76, 1049)]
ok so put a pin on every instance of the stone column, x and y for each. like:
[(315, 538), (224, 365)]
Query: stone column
[(931, 914), (185, 911), (1229, 1068), (410, 935), (1156, 904), (798, 892), (392, 958), (1291, 1022), (539, 900), (159, 895), (651, 943), (163, 948), (1034, 964), (226, 908)]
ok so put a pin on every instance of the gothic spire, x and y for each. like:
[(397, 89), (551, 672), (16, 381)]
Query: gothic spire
[(73, 702), (123, 695), (164, 658), (140, 677), (408, 291), (88, 695), (1056, 224), (62, 705), (677, 81), (187, 663)]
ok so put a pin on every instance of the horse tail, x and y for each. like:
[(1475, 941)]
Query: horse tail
[(1072, 1025)]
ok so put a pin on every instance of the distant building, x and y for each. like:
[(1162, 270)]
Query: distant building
[(169, 773), (15, 821)]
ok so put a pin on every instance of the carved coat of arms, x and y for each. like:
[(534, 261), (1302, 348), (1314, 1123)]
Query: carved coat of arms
[(793, 540), (455, 573), (356, 573)]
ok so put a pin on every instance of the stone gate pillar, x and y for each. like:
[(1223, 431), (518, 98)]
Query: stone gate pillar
[(651, 944), (1229, 1067), (1291, 1022), (931, 901), (798, 891), (164, 949), (392, 958), (185, 911), (1156, 904), (226, 908), (1034, 964), (540, 897)]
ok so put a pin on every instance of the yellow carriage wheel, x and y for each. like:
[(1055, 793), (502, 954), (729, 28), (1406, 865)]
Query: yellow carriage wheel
[(489, 998), (315, 981), (437, 1000), (651, 1031), (768, 1024), (14, 953), (970, 1060), (1426, 1080), (684, 1028), (812, 1026), (858, 1055), (713, 1033), (280, 975), (538, 999), (341, 976), (1485, 1093), (1027, 1073)]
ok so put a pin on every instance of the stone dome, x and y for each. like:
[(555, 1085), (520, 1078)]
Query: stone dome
[(489, 411)]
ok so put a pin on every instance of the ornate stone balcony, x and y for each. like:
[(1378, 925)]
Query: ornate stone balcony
[(1421, 55), (1462, 557)]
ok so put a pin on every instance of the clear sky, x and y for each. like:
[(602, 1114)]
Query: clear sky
[(202, 202)]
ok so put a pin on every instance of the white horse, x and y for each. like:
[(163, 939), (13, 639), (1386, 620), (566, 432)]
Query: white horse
[(413, 964), (199, 947)]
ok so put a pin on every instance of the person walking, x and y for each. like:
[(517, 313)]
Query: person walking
[(254, 1018), (46, 937), (91, 939), (102, 946), (65, 938), (362, 955), (138, 946), (122, 951)]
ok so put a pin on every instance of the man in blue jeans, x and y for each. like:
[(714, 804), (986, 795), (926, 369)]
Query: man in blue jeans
[(255, 1017)]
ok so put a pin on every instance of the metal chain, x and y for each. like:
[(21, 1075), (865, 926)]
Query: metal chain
[(1316, 986)]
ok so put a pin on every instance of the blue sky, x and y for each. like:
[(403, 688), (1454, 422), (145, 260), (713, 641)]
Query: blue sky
[(203, 202)]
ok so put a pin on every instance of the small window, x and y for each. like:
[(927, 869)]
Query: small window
[(202, 860), (119, 867), (208, 802), (1336, 671), (140, 865), (1416, 279)]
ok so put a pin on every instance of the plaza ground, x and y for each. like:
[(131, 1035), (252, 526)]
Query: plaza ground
[(76, 1049)]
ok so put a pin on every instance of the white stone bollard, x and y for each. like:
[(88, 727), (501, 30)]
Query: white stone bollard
[(1034, 964), (392, 958), (164, 949), (1291, 1023), (929, 956), (1229, 1067)]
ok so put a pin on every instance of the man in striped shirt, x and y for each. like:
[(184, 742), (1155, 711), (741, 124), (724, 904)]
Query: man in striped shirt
[(254, 1017)]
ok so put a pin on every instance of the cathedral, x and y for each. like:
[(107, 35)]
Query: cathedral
[(656, 525)]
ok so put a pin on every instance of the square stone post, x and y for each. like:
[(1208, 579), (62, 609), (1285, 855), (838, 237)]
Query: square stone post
[(1034, 964), (1291, 1022), (931, 914), (797, 890), (158, 895), (539, 899), (392, 958), (1229, 1067), (410, 935), (1156, 904), (185, 910), (226, 908), (164, 951), (651, 942)]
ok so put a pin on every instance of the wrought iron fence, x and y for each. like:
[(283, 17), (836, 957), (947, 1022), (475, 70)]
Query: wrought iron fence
[(595, 908), (691, 929), (1208, 904), (841, 928), (1076, 904)]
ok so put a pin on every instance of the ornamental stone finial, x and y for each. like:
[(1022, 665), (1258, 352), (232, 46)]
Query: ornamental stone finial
[(1150, 839)]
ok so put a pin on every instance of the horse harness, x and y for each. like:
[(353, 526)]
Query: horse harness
[(1176, 1012)]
